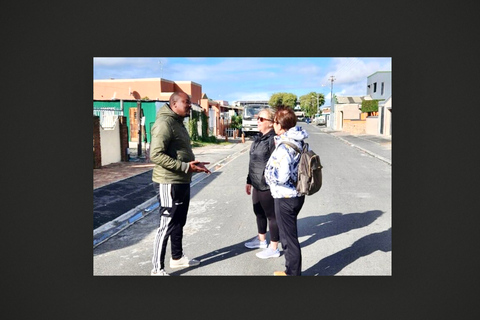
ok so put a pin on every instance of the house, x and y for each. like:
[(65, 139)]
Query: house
[(348, 114), (138, 100), (385, 116), (151, 88), (379, 87)]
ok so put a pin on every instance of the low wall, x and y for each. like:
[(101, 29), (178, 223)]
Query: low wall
[(110, 145), (371, 126), (354, 126)]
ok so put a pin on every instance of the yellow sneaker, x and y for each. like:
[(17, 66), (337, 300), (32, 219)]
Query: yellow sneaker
[(279, 273)]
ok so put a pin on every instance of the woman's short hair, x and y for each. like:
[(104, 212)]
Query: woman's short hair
[(285, 117)]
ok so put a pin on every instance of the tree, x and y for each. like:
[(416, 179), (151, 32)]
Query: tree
[(308, 103), (236, 122), (370, 107), (283, 98)]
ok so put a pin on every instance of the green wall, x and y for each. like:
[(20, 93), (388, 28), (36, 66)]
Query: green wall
[(149, 111)]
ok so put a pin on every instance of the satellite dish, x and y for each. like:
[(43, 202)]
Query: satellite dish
[(136, 95)]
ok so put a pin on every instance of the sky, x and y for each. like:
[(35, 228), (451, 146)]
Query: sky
[(237, 79)]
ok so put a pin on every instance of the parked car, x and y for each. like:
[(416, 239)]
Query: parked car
[(319, 120)]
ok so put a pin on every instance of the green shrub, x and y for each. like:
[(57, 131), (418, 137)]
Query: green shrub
[(369, 106), (212, 139), (193, 129), (204, 125)]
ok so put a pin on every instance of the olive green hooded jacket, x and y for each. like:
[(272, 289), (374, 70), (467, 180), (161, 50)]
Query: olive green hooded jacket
[(170, 148)]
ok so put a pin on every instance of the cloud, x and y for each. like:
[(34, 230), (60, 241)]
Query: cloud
[(222, 70), (250, 78), (354, 70), (241, 96)]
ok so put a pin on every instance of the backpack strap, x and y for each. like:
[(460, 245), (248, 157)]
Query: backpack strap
[(292, 145)]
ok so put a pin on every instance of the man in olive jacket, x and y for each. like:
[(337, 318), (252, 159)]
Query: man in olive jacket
[(172, 154)]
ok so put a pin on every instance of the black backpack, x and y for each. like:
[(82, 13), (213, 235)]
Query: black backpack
[(309, 170)]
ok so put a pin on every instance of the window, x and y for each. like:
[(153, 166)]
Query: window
[(383, 88), (374, 87)]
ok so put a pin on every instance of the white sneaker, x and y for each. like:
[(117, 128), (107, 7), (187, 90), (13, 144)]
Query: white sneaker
[(268, 253), (256, 243), (160, 272), (183, 262)]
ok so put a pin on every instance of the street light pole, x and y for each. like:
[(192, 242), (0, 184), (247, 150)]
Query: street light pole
[(332, 107)]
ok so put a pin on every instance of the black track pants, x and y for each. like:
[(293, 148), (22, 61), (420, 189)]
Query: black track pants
[(174, 200)]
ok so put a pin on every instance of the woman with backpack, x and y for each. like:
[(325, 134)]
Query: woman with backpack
[(281, 174)]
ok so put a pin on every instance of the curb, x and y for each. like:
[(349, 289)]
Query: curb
[(109, 229), (112, 228)]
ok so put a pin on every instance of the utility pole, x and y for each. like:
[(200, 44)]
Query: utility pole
[(160, 82), (137, 96), (332, 107)]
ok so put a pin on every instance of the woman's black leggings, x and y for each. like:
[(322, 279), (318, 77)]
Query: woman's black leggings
[(264, 209)]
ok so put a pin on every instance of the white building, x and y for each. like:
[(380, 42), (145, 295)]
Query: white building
[(379, 85)]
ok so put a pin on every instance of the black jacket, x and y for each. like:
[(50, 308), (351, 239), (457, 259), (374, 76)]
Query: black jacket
[(260, 151)]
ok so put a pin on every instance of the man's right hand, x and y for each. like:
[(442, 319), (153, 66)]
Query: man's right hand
[(197, 166)]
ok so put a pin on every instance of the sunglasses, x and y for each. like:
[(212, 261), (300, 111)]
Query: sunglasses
[(263, 119)]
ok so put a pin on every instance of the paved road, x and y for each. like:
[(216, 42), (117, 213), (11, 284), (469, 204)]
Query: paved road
[(345, 229)]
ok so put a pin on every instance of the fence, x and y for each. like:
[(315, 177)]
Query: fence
[(232, 133), (108, 117)]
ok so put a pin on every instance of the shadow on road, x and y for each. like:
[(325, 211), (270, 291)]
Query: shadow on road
[(219, 255), (333, 264), (319, 227)]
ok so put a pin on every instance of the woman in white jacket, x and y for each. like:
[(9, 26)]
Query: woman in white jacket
[(281, 174)]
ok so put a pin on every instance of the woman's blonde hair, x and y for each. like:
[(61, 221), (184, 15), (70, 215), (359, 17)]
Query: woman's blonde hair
[(269, 111)]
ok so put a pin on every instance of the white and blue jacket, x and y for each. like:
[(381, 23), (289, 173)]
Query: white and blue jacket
[(281, 171)]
